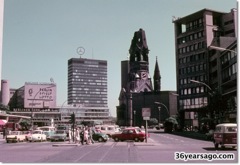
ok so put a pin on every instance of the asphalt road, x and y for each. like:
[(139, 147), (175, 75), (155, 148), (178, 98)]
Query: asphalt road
[(160, 148)]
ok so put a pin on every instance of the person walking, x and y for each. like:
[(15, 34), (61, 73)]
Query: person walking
[(90, 132), (77, 136), (82, 135), (86, 135), (4, 132)]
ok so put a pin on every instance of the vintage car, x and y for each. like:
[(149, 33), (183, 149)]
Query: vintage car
[(129, 134), (225, 135), (100, 137), (59, 135), (15, 136), (27, 134), (37, 135), (108, 129)]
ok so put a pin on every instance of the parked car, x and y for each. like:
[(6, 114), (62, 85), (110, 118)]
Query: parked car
[(129, 134), (59, 135), (15, 136), (225, 135), (37, 135), (27, 134), (48, 130), (100, 137)]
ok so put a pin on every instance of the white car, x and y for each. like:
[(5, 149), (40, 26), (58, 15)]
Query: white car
[(15, 136), (37, 135)]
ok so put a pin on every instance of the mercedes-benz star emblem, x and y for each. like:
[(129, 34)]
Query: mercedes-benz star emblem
[(80, 50)]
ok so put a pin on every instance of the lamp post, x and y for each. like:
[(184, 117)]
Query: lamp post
[(164, 106), (134, 112), (199, 82), (221, 49), (210, 93), (159, 109)]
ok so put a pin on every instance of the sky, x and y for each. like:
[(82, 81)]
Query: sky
[(40, 36)]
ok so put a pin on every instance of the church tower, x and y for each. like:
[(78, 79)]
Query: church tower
[(157, 78), (139, 78)]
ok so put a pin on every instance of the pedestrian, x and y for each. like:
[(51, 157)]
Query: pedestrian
[(82, 136), (77, 136), (4, 132), (90, 132), (86, 135)]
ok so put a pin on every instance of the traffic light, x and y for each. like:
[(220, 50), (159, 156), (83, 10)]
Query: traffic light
[(72, 118)]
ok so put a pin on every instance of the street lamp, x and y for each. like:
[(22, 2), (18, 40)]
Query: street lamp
[(199, 82), (164, 106), (134, 117), (221, 49), (159, 109)]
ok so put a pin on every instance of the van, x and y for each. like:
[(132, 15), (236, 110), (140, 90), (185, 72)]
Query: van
[(108, 129), (225, 135)]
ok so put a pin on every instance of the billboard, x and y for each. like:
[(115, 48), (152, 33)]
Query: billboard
[(40, 95)]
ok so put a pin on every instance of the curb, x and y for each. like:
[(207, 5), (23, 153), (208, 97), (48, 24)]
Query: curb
[(57, 145), (144, 144)]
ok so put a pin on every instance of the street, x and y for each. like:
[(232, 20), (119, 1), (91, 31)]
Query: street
[(160, 148)]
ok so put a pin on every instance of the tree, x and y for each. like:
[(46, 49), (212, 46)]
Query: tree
[(153, 121), (4, 107)]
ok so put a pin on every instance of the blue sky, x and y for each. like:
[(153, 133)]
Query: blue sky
[(40, 36)]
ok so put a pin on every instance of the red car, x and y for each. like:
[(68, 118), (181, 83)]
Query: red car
[(129, 134)]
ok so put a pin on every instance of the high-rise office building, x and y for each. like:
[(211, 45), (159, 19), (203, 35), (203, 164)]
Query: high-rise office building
[(197, 69), (87, 82)]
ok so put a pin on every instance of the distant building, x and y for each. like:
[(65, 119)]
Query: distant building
[(5, 93), (87, 82), (193, 36), (87, 89)]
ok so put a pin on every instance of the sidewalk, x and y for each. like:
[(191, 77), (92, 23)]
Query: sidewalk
[(191, 134)]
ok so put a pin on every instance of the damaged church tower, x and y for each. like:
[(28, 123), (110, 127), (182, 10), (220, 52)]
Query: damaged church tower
[(136, 79)]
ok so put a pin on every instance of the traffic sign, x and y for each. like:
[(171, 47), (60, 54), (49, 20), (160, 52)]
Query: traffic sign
[(146, 112)]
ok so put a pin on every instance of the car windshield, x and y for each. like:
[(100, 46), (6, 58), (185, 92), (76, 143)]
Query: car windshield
[(14, 133), (138, 130), (232, 129), (36, 132), (59, 132), (110, 128)]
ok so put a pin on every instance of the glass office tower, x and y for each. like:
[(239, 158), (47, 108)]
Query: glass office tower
[(87, 82)]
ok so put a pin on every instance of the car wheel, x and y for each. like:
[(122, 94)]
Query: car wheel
[(7, 141), (116, 139), (136, 139), (100, 139)]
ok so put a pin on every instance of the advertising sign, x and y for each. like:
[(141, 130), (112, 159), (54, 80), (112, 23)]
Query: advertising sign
[(38, 95)]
